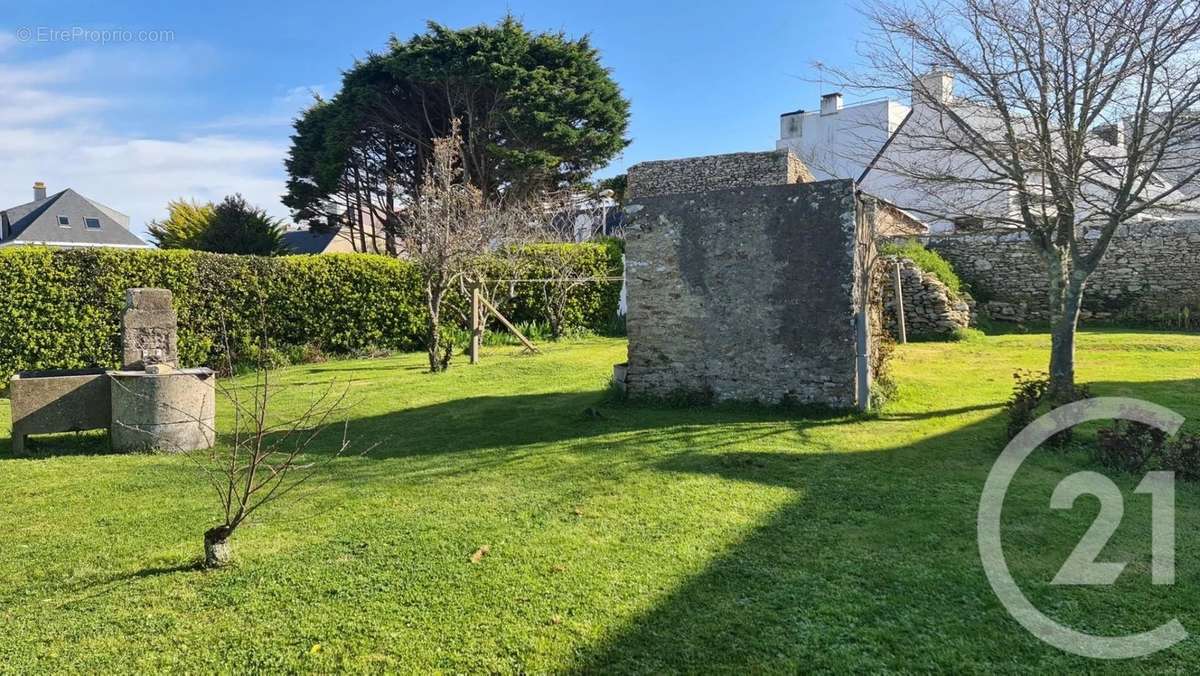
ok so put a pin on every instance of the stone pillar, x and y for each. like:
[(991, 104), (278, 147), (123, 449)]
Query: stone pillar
[(148, 329)]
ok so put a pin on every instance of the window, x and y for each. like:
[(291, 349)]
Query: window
[(91, 223), (968, 223), (64, 222)]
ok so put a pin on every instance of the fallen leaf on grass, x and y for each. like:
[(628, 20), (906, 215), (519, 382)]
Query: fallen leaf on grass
[(480, 553)]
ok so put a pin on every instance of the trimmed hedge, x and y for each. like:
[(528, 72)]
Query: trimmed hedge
[(593, 307), (61, 308)]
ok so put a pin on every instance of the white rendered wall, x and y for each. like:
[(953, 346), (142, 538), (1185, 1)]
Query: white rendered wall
[(840, 144)]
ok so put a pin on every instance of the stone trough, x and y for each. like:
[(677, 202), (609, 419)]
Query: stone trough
[(148, 404), (44, 402)]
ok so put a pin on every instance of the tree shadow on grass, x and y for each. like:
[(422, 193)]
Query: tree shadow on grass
[(103, 587), (39, 446), (480, 434), (873, 566), (844, 577)]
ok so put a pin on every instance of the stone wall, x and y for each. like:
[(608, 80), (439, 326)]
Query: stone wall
[(746, 293), (1150, 273), (931, 309), (715, 172)]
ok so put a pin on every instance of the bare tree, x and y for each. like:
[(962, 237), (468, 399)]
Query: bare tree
[(449, 226), (264, 459), (1068, 118), (561, 272)]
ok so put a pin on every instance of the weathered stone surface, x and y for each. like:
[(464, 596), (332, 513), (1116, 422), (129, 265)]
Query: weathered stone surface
[(716, 172), (930, 307), (1151, 272), (44, 402), (148, 329), (155, 407), (745, 294), (173, 411)]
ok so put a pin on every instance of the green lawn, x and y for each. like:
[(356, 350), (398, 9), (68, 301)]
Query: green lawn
[(639, 540)]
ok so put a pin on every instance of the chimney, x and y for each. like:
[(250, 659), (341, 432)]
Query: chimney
[(39, 191), (831, 103), (1111, 134), (936, 87)]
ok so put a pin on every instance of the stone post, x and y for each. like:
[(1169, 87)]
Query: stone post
[(148, 329)]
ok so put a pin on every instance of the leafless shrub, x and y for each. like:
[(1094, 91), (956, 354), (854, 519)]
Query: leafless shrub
[(265, 459)]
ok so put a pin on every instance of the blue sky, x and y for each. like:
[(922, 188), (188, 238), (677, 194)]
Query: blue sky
[(202, 108)]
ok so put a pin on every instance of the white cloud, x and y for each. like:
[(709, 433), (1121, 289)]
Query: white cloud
[(138, 176), (33, 106), (52, 129), (281, 112)]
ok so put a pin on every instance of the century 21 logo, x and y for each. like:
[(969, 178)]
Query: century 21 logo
[(1081, 567)]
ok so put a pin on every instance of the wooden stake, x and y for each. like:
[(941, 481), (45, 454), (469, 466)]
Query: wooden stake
[(476, 325), (508, 325), (898, 292)]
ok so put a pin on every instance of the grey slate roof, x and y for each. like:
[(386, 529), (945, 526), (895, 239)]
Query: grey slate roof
[(37, 223), (308, 241)]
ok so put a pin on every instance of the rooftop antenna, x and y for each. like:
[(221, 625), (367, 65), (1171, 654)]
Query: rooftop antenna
[(820, 66), (912, 54)]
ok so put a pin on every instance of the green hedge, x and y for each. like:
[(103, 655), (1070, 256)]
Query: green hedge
[(593, 306), (61, 308)]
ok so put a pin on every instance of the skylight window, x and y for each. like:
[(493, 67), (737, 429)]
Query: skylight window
[(64, 222), (91, 223)]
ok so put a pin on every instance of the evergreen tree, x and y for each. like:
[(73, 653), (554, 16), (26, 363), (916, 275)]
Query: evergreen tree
[(538, 111), (239, 228), (186, 221)]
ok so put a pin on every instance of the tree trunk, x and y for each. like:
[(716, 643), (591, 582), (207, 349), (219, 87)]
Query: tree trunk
[(389, 221), (1066, 299), (216, 547), (433, 298)]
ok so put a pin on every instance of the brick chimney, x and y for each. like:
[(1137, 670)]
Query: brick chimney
[(39, 191), (831, 103)]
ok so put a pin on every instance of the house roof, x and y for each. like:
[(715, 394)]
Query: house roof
[(37, 222), (308, 241)]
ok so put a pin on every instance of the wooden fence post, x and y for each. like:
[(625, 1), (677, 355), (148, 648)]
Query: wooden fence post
[(476, 325), (507, 324), (898, 293)]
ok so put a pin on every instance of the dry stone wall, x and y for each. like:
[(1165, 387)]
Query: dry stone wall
[(716, 172), (1151, 273), (931, 309), (744, 294)]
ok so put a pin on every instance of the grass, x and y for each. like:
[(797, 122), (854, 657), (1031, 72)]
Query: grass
[(629, 540)]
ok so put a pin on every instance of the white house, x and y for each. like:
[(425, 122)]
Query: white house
[(873, 141), (838, 141)]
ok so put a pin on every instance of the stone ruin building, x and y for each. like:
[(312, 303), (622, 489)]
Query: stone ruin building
[(748, 281)]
